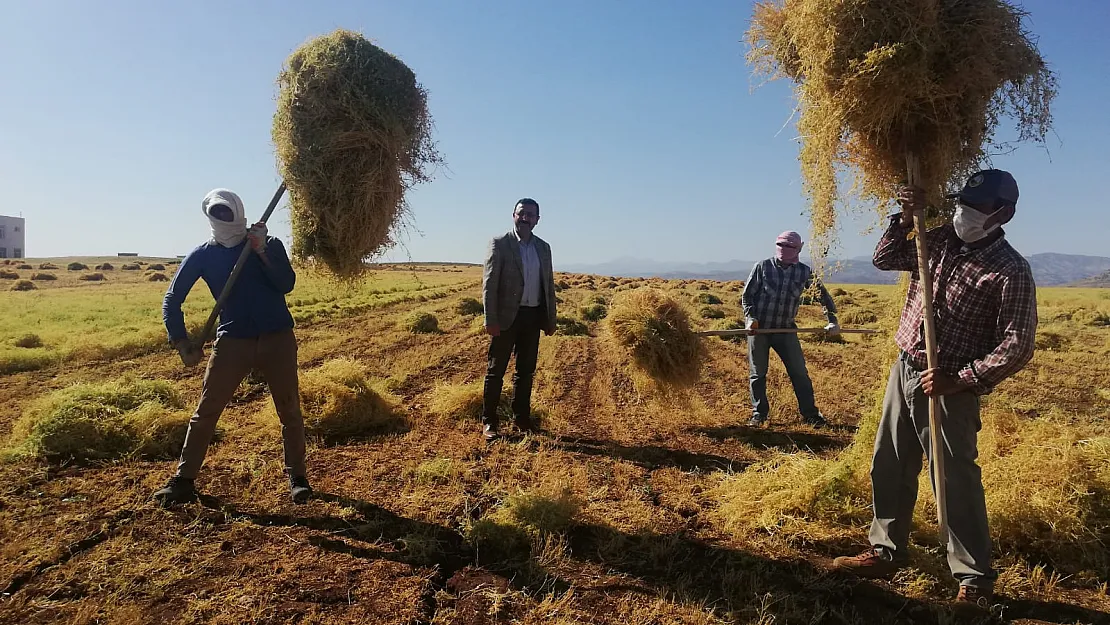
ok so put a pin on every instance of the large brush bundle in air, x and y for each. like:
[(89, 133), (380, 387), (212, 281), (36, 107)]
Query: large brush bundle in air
[(353, 134), (877, 79)]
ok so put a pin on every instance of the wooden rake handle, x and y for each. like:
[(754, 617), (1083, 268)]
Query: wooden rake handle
[(936, 418), (747, 332), (222, 300)]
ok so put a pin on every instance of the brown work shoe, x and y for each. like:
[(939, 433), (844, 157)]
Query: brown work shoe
[(973, 597), (870, 563)]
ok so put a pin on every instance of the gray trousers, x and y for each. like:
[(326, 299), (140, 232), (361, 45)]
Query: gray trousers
[(789, 349), (902, 438)]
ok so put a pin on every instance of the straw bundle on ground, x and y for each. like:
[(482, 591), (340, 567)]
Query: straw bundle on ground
[(341, 404), (655, 331), (879, 78), (353, 134), (102, 421)]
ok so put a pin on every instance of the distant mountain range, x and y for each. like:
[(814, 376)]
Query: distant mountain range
[(1049, 269), (1101, 280)]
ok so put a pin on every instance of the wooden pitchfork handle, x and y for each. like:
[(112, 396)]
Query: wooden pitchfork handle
[(222, 300), (936, 418)]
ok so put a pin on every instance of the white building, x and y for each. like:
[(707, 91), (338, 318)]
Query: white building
[(12, 237)]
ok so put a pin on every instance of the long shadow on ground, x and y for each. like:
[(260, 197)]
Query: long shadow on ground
[(650, 457), (734, 582), (782, 440)]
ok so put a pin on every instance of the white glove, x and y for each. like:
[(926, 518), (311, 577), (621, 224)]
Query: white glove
[(257, 237), (751, 324), (832, 329)]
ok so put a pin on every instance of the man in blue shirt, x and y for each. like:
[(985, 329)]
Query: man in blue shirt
[(255, 332), (774, 291)]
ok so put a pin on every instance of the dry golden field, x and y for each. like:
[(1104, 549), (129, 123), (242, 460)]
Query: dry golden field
[(631, 507)]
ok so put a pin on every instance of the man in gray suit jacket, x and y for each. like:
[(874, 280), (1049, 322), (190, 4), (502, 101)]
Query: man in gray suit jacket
[(518, 294)]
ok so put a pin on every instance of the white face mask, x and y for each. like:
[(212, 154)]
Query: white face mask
[(969, 224)]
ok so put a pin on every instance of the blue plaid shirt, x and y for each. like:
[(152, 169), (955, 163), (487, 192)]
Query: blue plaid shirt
[(775, 290)]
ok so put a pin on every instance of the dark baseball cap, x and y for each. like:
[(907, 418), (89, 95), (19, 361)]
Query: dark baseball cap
[(987, 187)]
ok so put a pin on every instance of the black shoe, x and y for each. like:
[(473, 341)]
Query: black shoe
[(526, 424), (490, 433), (299, 489), (817, 421), (179, 490), (757, 421)]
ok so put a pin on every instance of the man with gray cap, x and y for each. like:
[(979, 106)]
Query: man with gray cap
[(775, 290), (255, 332), (985, 310)]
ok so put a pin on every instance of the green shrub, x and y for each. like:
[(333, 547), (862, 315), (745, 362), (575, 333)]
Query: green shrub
[(707, 298), (422, 323), (469, 306)]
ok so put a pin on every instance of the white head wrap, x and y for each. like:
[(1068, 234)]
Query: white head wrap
[(226, 233)]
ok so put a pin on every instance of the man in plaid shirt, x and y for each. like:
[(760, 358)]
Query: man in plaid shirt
[(985, 309), (774, 291)]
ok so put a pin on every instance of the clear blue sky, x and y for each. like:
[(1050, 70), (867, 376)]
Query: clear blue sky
[(634, 124)]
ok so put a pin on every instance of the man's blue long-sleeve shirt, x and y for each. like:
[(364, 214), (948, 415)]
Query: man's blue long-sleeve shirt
[(257, 302)]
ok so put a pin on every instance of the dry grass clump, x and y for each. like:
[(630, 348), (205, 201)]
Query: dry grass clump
[(1048, 492), (569, 326), (340, 404), (468, 306), (48, 267), (104, 267), (28, 341), (654, 329), (523, 519), (111, 420), (131, 267), (24, 285), (24, 266), (43, 276), (8, 275), (879, 78), (594, 312), (422, 323), (156, 267), (707, 298), (562, 285), (157, 276), (92, 277), (75, 266), (353, 134), (1052, 341), (465, 401), (710, 312), (858, 317)]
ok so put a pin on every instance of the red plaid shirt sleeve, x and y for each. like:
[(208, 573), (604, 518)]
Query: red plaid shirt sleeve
[(896, 251), (1016, 331)]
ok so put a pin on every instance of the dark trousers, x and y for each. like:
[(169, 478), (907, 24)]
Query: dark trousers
[(523, 338)]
